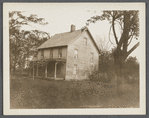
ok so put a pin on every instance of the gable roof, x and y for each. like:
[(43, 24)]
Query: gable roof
[(93, 40), (61, 39), (64, 39)]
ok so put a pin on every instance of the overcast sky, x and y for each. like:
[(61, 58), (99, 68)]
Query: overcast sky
[(61, 16)]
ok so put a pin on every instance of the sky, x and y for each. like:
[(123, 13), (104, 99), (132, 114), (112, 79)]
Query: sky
[(61, 16)]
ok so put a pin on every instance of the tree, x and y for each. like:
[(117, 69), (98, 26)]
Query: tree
[(34, 39), (131, 66), (102, 43), (21, 42), (129, 25)]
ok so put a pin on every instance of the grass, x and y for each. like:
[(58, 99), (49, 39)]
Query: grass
[(26, 93)]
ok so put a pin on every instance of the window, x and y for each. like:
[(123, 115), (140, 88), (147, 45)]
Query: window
[(75, 54), (42, 54), (75, 69), (59, 52), (85, 41), (51, 53), (92, 66), (91, 58)]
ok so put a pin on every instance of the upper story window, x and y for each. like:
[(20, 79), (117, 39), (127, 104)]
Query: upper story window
[(75, 54), (59, 52), (92, 57), (85, 41), (75, 69), (51, 53), (42, 54)]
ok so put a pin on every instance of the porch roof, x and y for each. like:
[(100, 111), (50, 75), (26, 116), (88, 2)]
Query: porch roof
[(57, 60), (43, 62), (51, 59)]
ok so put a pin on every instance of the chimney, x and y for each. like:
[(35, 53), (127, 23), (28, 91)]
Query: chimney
[(73, 28)]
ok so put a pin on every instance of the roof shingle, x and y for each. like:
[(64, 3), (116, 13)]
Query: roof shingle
[(61, 39)]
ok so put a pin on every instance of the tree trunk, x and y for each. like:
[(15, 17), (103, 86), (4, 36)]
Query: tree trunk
[(118, 61), (120, 53)]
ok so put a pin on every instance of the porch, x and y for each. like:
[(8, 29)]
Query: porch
[(49, 68)]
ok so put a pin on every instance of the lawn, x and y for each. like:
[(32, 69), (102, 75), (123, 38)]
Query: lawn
[(26, 93)]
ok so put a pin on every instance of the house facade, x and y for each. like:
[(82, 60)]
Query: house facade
[(67, 56)]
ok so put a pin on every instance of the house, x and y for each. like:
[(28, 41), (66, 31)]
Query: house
[(66, 56)]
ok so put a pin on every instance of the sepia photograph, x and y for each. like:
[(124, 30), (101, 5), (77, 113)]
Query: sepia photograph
[(74, 57)]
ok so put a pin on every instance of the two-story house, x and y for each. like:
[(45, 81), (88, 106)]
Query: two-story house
[(70, 55)]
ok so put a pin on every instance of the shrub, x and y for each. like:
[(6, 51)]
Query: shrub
[(105, 71), (131, 70)]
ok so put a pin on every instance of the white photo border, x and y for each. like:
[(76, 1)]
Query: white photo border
[(83, 111)]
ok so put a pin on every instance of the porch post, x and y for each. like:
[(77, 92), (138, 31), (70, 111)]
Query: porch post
[(46, 71), (33, 73), (30, 73), (55, 70), (37, 71)]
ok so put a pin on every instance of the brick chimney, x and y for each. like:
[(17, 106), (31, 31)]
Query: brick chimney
[(73, 28)]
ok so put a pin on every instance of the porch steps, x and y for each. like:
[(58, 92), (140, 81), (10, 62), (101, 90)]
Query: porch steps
[(59, 78)]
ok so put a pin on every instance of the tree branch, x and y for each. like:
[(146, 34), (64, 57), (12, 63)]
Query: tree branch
[(125, 35), (130, 40), (120, 25), (109, 34), (132, 20), (132, 49), (114, 31)]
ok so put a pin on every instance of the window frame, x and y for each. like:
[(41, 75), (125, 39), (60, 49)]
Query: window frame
[(51, 53), (91, 57), (85, 41), (75, 54), (42, 54), (60, 52), (92, 66), (75, 69)]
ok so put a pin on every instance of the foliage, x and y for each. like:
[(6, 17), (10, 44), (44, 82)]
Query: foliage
[(132, 66), (106, 62), (103, 44), (23, 44), (131, 70), (129, 25), (106, 69), (40, 63)]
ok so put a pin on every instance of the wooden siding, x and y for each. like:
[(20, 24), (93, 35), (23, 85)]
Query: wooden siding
[(55, 53), (84, 66)]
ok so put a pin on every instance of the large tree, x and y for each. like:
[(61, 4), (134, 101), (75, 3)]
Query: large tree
[(22, 42), (129, 25)]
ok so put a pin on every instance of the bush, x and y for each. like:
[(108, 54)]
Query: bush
[(131, 70), (106, 70), (101, 77)]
